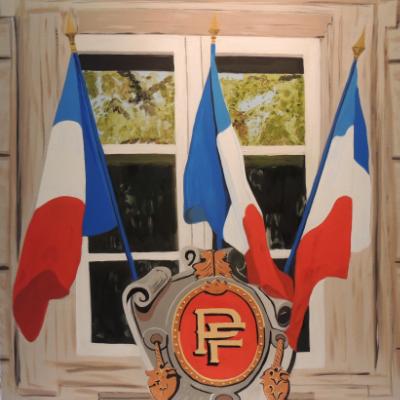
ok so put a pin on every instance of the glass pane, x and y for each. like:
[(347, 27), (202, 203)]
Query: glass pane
[(107, 283), (265, 98), (145, 189), (278, 184), (132, 97)]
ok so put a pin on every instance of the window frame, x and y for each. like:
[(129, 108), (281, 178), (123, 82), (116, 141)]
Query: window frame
[(191, 64)]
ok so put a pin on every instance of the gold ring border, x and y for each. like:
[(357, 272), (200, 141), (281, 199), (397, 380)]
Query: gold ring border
[(177, 343)]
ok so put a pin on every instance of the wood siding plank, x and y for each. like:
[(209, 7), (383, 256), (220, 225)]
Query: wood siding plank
[(197, 22), (396, 165), (329, 392), (350, 304), (397, 309), (39, 76), (5, 307), (124, 396), (4, 211), (393, 38), (5, 38), (5, 105), (394, 76), (307, 5)]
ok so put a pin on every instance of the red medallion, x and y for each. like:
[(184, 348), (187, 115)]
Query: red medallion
[(218, 333)]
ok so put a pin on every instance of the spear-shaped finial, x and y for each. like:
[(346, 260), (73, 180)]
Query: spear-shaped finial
[(70, 30), (359, 46), (214, 29)]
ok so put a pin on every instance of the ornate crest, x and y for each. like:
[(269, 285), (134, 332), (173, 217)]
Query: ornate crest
[(206, 334)]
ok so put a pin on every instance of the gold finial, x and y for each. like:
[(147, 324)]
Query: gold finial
[(70, 30), (214, 29), (359, 46)]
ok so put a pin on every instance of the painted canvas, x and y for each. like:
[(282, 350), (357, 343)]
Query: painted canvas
[(195, 196)]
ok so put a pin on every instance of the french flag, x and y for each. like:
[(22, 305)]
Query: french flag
[(336, 220), (216, 189), (74, 200)]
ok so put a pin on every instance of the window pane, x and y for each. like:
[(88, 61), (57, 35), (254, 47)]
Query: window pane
[(145, 189), (107, 283), (132, 97), (265, 97), (278, 184)]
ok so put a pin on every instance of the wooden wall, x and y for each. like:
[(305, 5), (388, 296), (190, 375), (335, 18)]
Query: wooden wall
[(8, 189), (363, 344), (393, 53)]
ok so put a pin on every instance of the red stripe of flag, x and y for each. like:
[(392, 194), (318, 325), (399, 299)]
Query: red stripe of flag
[(49, 260)]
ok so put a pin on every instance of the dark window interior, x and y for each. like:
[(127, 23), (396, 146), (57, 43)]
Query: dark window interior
[(278, 184), (262, 65), (146, 195), (108, 279), (126, 62)]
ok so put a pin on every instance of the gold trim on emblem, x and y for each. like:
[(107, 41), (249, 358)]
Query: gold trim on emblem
[(218, 287)]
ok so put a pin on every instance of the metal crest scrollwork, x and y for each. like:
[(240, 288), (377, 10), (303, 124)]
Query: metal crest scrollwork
[(187, 324)]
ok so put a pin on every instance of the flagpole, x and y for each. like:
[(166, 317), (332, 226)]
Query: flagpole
[(358, 48), (213, 31), (70, 32)]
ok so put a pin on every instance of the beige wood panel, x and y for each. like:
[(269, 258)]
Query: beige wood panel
[(124, 396), (394, 75), (9, 7), (384, 273), (396, 373), (48, 5), (393, 37), (5, 307), (5, 105), (5, 37), (397, 305), (39, 72), (4, 210), (350, 308), (396, 165), (39, 76), (329, 392), (197, 22)]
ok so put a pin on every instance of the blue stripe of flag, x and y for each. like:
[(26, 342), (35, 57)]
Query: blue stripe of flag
[(206, 196)]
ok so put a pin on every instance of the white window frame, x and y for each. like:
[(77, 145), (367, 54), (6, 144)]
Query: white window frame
[(191, 64), (135, 44)]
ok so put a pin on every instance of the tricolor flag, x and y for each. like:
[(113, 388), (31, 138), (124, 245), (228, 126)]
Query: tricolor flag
[(336, 220), (75, 199), (216, 188)]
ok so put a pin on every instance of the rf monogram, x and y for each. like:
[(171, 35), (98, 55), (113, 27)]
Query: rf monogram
[(212, 336)]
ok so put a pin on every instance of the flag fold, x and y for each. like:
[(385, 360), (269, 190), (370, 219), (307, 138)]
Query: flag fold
[(74, 200)]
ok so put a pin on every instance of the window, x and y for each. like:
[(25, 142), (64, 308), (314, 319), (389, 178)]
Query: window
[(145, 92), (137, 87)]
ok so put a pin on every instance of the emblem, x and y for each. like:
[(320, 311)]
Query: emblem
[(206, 334)]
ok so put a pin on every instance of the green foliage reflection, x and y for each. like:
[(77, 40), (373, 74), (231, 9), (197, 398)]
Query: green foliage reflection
[(266, 109), (133, 106)]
